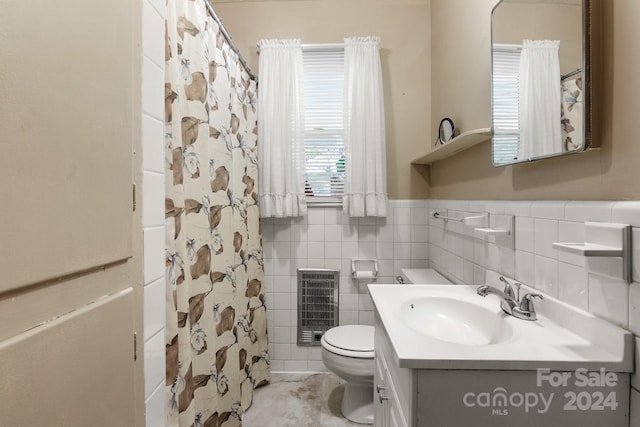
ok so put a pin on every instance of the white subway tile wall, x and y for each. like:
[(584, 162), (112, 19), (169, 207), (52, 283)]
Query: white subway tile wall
[(411, 237), (152, 205), (327, 239), (534, 261), (562, 275)]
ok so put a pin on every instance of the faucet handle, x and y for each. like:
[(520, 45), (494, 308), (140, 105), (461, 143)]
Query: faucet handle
[(508, 289), (517, 291), (527, 302), (482, 290)]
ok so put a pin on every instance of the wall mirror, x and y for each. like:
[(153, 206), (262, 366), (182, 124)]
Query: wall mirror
[(540, 79), (446, 130)]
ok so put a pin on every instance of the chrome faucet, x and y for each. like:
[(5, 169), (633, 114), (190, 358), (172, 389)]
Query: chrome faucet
[(510, 301)]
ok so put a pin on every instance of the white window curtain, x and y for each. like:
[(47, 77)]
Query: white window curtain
[(281, 129), (540, 99), (365, 154)]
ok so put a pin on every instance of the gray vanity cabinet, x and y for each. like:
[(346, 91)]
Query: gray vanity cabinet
[(493, 398)]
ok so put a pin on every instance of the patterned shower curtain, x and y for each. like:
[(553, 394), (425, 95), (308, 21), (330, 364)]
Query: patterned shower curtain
[(217, 350)]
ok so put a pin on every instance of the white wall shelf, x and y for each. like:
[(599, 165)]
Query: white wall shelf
[(493, 231), (589, 249), (460, 143), (607, 249), (501, 230)]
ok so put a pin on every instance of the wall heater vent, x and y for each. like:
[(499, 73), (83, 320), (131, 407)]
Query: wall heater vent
[(318, 291)]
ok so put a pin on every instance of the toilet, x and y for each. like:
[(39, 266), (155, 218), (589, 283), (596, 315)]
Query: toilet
[(347, 351)]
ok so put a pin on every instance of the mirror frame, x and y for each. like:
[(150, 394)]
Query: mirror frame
[(587, 67)]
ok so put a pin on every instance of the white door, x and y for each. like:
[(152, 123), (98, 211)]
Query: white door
[(69, 265)]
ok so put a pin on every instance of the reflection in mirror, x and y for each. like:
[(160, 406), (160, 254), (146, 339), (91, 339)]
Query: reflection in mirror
[(540, 84)]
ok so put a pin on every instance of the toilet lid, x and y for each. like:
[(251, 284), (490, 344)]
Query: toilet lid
[(351, 337)]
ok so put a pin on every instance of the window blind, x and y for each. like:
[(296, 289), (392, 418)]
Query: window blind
[(506, 103), (324, 121)]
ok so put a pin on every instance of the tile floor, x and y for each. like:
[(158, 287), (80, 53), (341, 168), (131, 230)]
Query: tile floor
[(300, 400)]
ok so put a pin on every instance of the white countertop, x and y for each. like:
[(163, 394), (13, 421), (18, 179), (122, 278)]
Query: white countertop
[(563, 337)]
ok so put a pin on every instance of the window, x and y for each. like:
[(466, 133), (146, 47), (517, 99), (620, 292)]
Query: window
[(324, 123), (506, 102)]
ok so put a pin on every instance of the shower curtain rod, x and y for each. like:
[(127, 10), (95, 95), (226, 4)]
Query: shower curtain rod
[(572, 73), (226, 35)]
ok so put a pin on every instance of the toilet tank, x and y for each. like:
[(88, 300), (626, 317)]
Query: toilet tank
[(423, 276)]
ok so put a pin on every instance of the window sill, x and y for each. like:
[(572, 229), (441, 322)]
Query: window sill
[(324, 202)]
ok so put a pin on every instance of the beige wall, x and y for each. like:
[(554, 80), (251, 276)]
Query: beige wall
[(450, 43), (542, 21), (460, 82), (403, 26)]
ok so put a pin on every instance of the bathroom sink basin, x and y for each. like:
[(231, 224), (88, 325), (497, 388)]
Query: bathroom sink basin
[(452, 327), (455, 321)]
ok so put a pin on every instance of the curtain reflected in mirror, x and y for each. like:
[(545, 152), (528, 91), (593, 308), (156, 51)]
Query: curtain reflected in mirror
[(539, 98), (538, 79)]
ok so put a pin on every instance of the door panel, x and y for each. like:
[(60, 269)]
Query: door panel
[(71, 285), (67, 106), (20, 311), (76, 370)]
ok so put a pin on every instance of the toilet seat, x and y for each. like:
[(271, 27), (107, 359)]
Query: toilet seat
[(350, 341)]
